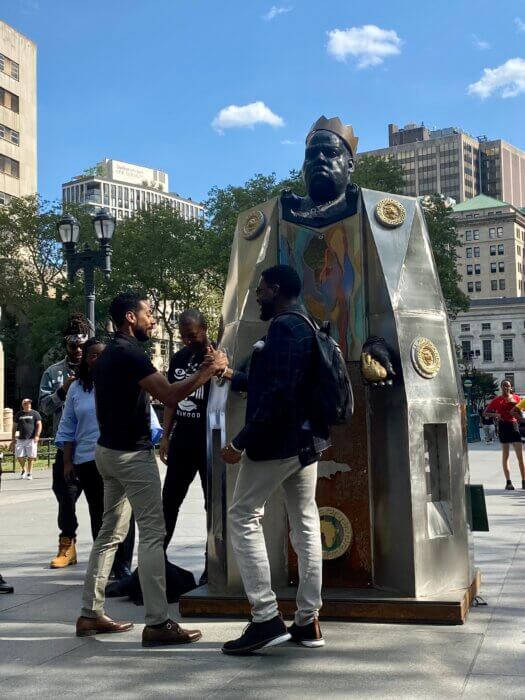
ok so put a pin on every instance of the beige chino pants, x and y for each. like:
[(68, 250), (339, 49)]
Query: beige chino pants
[(131, 481)]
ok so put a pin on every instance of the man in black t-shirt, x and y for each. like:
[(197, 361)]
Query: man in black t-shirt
[(185, 452), (28, 423), (124, 379)]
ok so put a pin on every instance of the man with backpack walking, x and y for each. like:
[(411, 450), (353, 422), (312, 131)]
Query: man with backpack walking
[(283, 437)]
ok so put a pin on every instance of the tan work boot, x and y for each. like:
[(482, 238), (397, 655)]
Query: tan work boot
[(67, 553)]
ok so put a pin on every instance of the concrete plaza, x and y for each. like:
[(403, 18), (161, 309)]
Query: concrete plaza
[(40, 656)]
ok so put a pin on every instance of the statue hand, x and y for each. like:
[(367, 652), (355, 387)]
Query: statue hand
[(376, 363)]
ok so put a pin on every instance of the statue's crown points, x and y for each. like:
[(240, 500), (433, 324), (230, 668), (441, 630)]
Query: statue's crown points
[(336, 126)]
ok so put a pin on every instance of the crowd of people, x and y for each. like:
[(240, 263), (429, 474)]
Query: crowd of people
[(107, 452)]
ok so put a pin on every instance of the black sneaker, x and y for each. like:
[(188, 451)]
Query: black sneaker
[(4, 586), (308, 635), (523, 484), (509, 486), (258, 635)]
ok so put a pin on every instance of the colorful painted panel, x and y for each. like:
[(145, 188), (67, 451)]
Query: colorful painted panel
[(330, 264)]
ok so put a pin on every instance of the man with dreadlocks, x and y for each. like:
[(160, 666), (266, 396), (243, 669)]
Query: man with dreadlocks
[(54, 386)]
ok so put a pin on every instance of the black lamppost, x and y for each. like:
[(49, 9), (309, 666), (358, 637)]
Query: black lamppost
[(87, 259)]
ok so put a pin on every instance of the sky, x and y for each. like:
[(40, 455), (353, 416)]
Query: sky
[(215, 91)]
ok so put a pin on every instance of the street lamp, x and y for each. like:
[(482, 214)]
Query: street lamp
[(87, 259), (469, 375)]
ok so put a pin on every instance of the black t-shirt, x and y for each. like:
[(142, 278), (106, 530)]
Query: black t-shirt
[(26, 423), (123, 407), (191, 412)]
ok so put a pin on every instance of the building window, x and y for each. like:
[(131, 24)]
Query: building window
[(478, 286), (487, 350), (493, 267), (465, 349), (475, 235), (477, 269), (9, 100), (494, 285), (9, 67), (492, 233), (476, 252), (507, 325), (468, 235), (493, 250), (502, 284), (501, 266), (508, 352), (509, 377), (469, 252), (4, 198), (470, 286), (9, 166), (501, 249), (8, 134), (500, 231), (469, 269), (485, 326), (465, 327)]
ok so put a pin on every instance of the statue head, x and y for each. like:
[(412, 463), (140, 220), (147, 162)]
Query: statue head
[(329, 159)]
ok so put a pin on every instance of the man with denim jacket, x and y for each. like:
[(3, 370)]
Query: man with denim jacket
[(278, 446)]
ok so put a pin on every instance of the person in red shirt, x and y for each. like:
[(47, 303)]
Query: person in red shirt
[(502, 408)]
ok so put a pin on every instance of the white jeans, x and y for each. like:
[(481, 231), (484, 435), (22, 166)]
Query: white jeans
[(255, 484)]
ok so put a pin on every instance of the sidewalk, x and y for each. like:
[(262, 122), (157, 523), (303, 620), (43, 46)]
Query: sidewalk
[(41, 657)]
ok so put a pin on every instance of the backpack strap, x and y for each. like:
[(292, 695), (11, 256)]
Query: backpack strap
[(306, 318)]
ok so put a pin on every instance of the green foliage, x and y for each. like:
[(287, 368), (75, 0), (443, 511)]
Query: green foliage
[(444, 241), (484, 387), (375, 173)]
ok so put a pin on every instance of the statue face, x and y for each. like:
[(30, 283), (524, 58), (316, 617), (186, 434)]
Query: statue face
[(327, 166)]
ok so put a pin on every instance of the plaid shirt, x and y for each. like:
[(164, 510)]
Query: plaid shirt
[(278, 385)]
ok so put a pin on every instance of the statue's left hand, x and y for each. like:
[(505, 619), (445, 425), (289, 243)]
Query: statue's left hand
[(376, 363)]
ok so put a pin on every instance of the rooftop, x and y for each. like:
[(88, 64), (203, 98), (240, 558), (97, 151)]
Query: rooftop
[(482, 201)]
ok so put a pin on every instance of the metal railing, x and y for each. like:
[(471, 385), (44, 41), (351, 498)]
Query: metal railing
[(46, 451)]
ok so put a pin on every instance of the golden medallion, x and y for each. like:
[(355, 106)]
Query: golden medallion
[(390, 212), (254, 225), (336, 532), (425, 358)]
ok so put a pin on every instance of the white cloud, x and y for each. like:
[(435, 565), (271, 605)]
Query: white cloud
[(520, 24), (275, 11), (287, 142), (507, 80), (369, 44), (480, 44), (246, 116)]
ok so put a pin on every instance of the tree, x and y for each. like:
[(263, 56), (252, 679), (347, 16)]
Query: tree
[(484, 387), (375, 173), (444, 241)]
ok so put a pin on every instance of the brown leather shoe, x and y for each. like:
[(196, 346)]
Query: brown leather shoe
[(89, 626), (169, 633)]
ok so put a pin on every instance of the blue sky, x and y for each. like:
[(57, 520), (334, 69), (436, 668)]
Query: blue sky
[(172, 84)]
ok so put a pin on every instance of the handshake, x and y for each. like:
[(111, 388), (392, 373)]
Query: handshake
[(214, 364)]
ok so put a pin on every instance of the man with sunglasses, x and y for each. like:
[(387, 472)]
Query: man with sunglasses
[(54, 386)]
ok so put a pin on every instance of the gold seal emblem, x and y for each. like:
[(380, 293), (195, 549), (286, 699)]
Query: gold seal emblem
[(390, 212), (425, 358), (254, 225), (336, 532)]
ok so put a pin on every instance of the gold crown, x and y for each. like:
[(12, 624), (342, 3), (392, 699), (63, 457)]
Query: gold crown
[(336, 126)]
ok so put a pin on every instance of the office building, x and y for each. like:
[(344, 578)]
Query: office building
[(18, 173), (490, 336), (122, 188), (491, 257), (455, 164)]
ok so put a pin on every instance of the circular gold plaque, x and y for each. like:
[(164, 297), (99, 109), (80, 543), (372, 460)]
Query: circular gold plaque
[(390, 212), (336, 532), (425, 358), (254, 225)]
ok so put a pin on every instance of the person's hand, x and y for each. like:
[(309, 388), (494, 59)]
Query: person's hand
[(230, 455), (12, 445), (67, 383), (36, 439), (163, 449), (69, 472), (214, 363)]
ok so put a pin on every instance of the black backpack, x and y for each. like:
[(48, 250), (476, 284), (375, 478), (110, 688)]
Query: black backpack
[(332, 397)]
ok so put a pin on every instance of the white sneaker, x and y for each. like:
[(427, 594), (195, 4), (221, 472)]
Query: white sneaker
[(23, 475), (29, 477)]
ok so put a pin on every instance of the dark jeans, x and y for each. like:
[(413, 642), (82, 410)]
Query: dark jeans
[(93, 486), (186, 457), (66, 495)]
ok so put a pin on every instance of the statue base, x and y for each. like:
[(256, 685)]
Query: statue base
[(345, 604)]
